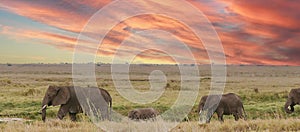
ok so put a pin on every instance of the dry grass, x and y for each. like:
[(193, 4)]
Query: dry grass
[(273, 125), (262, 88), (52, 125)]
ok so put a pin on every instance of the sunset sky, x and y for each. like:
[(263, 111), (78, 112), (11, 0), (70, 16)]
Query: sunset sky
[(251, 31)]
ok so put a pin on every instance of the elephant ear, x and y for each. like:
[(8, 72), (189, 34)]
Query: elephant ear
[(295, 96), (62, 97), (211, 101)]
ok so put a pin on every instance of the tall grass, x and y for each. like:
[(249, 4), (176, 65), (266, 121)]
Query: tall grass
[(263, 90), (273, 125)]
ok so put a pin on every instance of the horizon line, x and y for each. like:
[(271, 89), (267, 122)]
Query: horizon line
[(66, 63)]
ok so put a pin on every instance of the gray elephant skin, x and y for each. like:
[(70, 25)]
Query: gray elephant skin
[(142, 114), (292, 100), (230, 104), (66, 97)]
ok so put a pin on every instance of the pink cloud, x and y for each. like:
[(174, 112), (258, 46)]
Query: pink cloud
[(252, 32)]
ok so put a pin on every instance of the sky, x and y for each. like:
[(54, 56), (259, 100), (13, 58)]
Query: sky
[(264, 32)]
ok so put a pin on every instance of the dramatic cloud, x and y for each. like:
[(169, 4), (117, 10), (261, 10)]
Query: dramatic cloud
[(252, 32), (58, 40), (67, 15), (267, 33)]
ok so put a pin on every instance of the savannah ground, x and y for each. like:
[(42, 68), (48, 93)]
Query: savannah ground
[(263, 89)]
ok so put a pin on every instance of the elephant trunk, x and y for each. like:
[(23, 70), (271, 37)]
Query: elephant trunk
[(286, 106), (199, 108), (44, 107), (44, 112), (202, 117)]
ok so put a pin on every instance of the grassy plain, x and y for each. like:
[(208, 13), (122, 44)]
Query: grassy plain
[(263, 89)]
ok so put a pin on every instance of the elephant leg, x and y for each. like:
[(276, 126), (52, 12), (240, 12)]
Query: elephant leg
[(209, 116), (153, 118), (62, 112), (137, 117), (240, 113), (220, 113), (220, 116), (106, 114), (143, 117), (236, 116), (73, 116)]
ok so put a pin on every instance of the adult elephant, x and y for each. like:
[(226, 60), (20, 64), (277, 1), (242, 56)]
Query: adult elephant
[(230, 104), (292, 100), (142, 113), (66, 97)]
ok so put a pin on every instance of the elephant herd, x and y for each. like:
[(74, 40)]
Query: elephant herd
[(66, 97), (231, 104), (226, 104)]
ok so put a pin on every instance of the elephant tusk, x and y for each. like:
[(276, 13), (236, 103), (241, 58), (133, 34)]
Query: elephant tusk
[(45, 106), (200, 112)]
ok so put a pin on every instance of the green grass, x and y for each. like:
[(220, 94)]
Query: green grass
[(257, 105), (22, 89)]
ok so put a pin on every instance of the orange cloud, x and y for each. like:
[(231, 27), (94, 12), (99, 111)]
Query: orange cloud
[(57, 14), (252, 32), (277, 13), (145, 22), (58, 40), (271, 27)]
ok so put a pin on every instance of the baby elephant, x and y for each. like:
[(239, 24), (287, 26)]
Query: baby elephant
[(143, 114)]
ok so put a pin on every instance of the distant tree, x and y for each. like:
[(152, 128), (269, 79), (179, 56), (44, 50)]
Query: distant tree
[(8, 64)]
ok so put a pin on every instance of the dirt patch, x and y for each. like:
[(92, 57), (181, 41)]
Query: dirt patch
[(2, 120)]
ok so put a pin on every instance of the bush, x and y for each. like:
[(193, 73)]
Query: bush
[(31, 92)]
